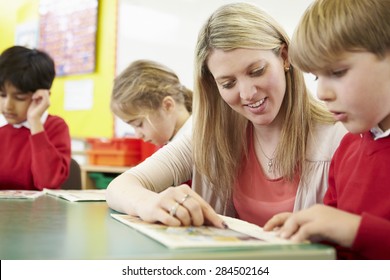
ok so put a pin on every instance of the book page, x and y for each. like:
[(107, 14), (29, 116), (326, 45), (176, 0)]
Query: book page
[(19, 194), (78, 195), (198, 237), (252, 230)]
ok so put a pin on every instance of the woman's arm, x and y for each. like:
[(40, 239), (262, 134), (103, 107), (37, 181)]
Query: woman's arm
[(146, 191), (125, 192)]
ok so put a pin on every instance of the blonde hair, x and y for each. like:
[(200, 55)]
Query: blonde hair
[(142, 86), (329, 28), (219, 137)]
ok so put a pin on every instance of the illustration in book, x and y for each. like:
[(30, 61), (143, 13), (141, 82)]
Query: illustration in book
[(240, 234)]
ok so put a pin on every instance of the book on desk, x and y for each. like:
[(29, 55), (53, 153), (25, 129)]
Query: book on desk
[(239, 234), (70, 195), (78, 195), (19, 194)]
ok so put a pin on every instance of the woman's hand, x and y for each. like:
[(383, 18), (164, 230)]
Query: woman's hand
[(177, 206), (318, 222)]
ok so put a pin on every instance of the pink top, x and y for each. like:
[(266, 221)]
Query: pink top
[(257, 198)]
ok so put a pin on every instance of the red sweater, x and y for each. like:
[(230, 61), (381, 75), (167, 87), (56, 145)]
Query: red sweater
[(359, 182), (34, 162)]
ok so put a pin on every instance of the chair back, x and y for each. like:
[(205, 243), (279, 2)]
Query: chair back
[(74, 180)]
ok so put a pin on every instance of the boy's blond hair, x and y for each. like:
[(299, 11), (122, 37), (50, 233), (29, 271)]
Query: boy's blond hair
[(330, 28)]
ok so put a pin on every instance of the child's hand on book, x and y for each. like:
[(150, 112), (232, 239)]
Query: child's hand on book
[(318, 222)]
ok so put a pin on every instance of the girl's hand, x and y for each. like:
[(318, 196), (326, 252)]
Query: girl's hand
[(318, 222), (178, 206)]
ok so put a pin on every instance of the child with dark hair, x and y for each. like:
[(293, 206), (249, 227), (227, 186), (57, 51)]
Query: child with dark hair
[(34, 146)]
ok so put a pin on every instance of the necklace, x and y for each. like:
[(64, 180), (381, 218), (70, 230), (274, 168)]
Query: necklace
[(270, 162)]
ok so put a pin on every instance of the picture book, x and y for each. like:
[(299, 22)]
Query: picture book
[(19, 194), (239, 234), (78, 195)]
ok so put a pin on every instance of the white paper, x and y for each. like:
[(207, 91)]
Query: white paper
[(78, 195), (19, 194), (78, 95), (27, 34)]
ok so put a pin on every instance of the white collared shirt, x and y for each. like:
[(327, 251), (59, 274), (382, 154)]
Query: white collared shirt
[(378, 133), (4, 122)]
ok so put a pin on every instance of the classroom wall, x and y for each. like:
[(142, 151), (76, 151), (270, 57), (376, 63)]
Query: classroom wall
[(165, 31), (98, 121), (8, 22)]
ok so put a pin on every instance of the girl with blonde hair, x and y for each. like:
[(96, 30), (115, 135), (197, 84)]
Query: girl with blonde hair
[(149, 96)]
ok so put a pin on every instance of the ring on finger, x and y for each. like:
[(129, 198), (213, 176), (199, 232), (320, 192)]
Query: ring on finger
[(173, 209), (187, 196)]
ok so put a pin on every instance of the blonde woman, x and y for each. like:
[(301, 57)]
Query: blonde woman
[(261, 144), (149, 96)]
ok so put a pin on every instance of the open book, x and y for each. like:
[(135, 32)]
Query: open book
[(78, 195), (24, 194), (239, 234)]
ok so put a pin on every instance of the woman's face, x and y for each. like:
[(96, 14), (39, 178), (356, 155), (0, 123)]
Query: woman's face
[(252, 82)]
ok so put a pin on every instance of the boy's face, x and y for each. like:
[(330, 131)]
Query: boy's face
[(356, 90), (14, 103)]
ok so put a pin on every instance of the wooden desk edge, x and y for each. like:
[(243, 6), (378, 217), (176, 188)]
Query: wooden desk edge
[(104, 168)]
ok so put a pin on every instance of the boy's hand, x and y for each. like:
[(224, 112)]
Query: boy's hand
[(276, 221), (318, 222), (39, 104)]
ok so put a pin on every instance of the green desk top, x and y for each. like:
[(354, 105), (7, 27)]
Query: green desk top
[(53, 228)]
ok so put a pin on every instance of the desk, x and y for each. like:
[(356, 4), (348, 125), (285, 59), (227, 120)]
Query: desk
[(53, 228), (87, 183)]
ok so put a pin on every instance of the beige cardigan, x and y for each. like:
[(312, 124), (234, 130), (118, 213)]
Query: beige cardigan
[(173, 164)]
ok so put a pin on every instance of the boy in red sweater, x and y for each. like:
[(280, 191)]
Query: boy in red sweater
[(346, 45), (34, 146)]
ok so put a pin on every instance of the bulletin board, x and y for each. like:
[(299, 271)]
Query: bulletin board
[(67, 31)]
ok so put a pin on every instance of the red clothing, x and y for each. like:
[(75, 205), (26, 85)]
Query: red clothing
[(359, 182), (34, 162), (257, 198)]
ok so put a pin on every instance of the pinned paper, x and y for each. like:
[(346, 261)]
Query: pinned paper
[(78, 95)]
